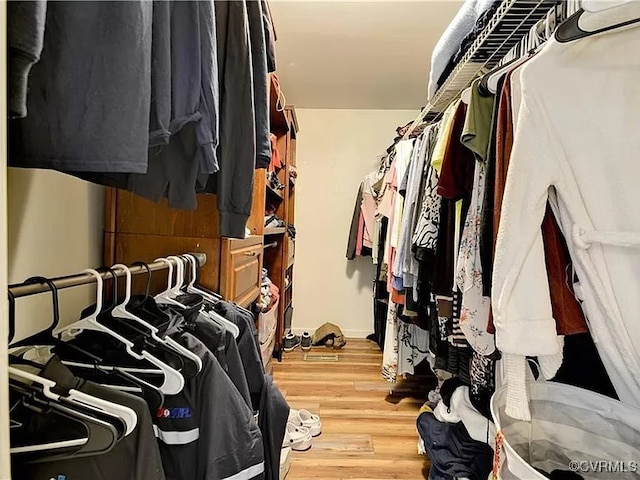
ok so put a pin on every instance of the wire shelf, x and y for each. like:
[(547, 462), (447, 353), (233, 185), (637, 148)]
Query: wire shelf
[(510, 23)]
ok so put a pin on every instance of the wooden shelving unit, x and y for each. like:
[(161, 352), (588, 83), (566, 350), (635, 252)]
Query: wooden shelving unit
[(279, 259), (274, 231)]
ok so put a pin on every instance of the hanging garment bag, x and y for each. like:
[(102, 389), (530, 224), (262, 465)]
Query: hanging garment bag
[(571, 429)]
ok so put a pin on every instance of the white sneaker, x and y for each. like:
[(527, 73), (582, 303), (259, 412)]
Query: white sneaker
[(285, 462), (304, 418), (297, 438)]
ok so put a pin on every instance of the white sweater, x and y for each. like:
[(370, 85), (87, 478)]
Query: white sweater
[(577, 142)]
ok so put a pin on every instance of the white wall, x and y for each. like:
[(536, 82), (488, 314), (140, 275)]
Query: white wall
[(335, 150), (55, 228), (5, 470)]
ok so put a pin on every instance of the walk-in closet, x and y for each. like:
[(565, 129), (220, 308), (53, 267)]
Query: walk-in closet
[(320, 240)]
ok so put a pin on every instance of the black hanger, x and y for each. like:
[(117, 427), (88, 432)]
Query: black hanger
[(117, 422), (142, 338), (570, 30), (146, 307), (151, 393), (101, 435), (46, 337)]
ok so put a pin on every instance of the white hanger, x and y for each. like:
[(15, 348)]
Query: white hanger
[(230, 326), (176, 290), (125, 413), (120, 311), (191, 286), (164, 297), (173, 380), (494, 78), (465, 96), (49, 446)]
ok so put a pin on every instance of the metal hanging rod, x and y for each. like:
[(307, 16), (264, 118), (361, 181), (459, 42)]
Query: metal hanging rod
[(25, 290)]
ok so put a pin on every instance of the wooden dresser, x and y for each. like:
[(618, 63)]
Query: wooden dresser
[(138, 229)]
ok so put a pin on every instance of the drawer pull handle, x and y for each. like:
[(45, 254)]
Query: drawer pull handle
[(251, 254)]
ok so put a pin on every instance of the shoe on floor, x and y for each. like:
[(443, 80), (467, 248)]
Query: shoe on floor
[(285, 462), (291, 341), (297, 438), (306, 341), (306, 419)]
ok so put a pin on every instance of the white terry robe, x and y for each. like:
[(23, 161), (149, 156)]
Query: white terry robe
[(577, 142)]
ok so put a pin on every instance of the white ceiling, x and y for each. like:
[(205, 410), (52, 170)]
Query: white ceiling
[(357, 54)]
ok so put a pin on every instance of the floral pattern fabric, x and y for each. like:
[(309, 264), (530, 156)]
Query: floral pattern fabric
[(390, 352), (474, 315), (413, 347)]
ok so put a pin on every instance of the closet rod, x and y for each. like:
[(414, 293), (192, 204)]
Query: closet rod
[(21, 290), (270, 245)]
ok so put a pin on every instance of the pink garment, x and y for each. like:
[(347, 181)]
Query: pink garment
[(275, 295), (360, 237), (369, 214), (386, 204)]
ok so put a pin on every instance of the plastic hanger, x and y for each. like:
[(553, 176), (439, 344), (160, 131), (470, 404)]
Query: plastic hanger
[(175, 290), (173, 380), (530, 45), (212, 314), (142, 339), (191, 288), (132, 384), (148, 305), (465, 96), (165, 296), (47, 337), (99, 436), (186, 300), (43, 337), (77, 397), (94, 405), (229, 326), (120, 311), (624, 12), (491, 80), (215, 298)]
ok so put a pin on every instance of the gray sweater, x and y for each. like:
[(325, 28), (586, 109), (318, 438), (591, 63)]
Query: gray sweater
[(237, 148), (91, 90), (25, 34)]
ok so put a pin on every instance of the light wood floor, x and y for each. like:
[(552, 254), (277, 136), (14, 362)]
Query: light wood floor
[(367, 433)]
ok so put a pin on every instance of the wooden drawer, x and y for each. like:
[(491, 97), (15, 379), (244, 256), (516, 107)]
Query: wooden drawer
[(241, 269)]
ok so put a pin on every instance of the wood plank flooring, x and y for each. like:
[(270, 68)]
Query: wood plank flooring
[(367, 432)]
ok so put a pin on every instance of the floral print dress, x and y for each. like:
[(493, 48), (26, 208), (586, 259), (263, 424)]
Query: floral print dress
[(474, 315)]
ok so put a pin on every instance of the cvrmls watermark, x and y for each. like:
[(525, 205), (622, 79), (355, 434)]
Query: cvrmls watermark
[(604, 466)]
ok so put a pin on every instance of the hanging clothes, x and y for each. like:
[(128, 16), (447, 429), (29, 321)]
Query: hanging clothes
[(25, 37), (113, 118), (177, 104), (135, 457), (601, 243), (475, 306)]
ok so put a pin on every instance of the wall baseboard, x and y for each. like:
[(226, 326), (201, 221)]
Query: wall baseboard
[(347, 333)]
